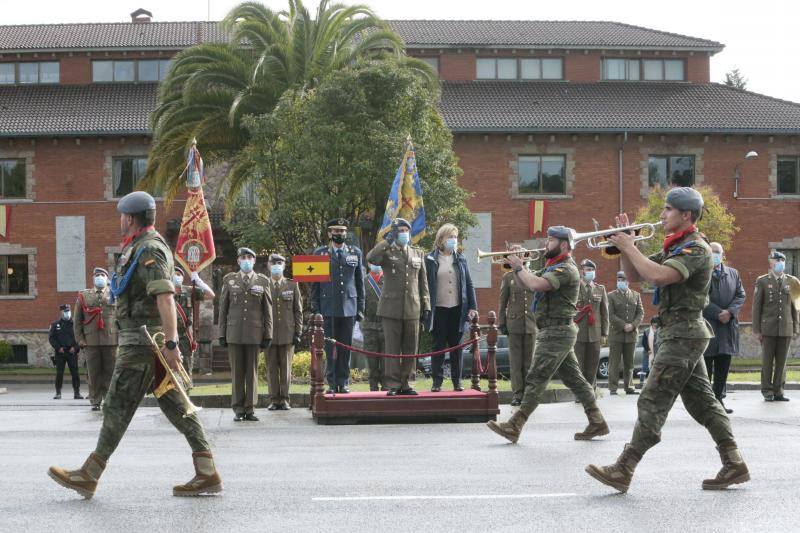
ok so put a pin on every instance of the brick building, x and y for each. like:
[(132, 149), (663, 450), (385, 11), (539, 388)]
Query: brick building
[(584, 115)]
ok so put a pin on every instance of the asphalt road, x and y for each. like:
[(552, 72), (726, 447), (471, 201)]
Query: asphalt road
[(287, 474)]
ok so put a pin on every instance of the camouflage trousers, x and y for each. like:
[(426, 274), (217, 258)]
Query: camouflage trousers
[(554, 355), (678, 370), (132, 379)]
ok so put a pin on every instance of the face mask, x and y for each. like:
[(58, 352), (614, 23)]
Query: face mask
[(779, 266), (276, 270), (402, 238), (588, 275), (177, 280), (717, 258), (338, 238), (377, 269), (622, 285), (66, 315), (246, 265), (450, 244), (100, 282)]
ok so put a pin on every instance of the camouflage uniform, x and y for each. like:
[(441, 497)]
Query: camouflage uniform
[(133, 373), (373, 336)]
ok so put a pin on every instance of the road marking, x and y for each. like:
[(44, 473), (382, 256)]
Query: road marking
[(445, 497)]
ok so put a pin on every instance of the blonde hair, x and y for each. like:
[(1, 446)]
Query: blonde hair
[(443, 233)]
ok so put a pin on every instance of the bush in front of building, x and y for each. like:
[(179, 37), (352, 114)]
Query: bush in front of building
[(5, 351)]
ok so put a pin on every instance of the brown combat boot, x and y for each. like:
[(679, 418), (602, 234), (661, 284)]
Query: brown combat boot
[(597, 424), (206, 480), (511, 429), (83, 481), (619, 474), (733, 470)]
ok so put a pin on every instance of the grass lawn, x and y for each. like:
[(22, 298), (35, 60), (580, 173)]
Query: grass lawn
[(792, 376), (756, 362)]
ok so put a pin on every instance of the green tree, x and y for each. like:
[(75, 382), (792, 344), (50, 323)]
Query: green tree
[(212, 86), (734, 78), (717, 223), (334, 151)]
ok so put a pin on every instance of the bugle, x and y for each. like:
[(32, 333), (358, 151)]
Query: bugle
[(598, 240), (499, 258), (170, 380)]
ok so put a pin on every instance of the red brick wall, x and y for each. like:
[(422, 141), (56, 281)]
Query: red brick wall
[(698, 68), (582, 67), (457, 66), (76, 70)]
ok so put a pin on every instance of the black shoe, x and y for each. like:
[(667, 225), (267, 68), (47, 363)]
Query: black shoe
[(436, 388), (516, 402), (238, 418), (78, 396), (251, 417), (407, 392), (458, 388), (769, 398), (273, 407), (343, 389), (284, 406), (331, 390), (631, 391), (392, 392), (781, 398), (373, 389), (96, 407), (613, 392), (57, 396)]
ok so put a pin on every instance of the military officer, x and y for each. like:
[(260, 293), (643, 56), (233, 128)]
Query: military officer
[(142, 287), (404, 301), (625, 312), (287, 326), (184, 303), (681, 271), (62, 339), (245, 326), (518, 323), (340, 301), (372, 330), (592, 320), (96, 334), (775, 322), (556, 289)]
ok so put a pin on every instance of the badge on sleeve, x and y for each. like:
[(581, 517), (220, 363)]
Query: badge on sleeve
[(351, 260), (416, 262)]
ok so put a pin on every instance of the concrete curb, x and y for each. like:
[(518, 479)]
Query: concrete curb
[(3, 390)]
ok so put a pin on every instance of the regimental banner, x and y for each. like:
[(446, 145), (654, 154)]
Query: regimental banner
[(195, 248), (405, 198), (311, 268), (5, 221)]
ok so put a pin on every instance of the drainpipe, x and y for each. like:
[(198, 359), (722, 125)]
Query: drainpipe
[(621, 161)]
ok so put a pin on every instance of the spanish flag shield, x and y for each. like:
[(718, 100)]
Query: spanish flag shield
[(311, 268)]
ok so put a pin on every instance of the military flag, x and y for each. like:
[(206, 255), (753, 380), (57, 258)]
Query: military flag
[(311, 268), (195, 247), (405, 198)]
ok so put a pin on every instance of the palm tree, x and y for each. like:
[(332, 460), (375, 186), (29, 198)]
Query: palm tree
[(211, 87)]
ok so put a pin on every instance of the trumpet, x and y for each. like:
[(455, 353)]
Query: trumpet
[(172, 380), (498, 258), (643, 232)]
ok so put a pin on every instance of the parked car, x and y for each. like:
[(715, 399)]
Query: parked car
[(638, 355)]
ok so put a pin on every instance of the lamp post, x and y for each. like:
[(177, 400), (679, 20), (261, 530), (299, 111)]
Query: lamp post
[(737, 174)]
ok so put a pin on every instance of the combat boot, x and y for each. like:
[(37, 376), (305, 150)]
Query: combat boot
[(619, 474), (597, 424), (83, 481), (206, 479), (733, 470), (511, 429)]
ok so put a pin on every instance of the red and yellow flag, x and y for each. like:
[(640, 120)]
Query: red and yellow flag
[(5, 219), (311, 268), (537, 217)]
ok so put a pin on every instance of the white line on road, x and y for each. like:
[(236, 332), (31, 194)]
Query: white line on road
[(444, 497)]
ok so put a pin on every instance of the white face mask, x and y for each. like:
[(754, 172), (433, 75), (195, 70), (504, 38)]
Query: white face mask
[(246, 265), (66, 315), (100, 282), (177, 280)]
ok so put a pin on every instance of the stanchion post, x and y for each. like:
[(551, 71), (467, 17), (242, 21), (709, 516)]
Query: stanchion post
[(491, 341), (317, 355), (475, 334)]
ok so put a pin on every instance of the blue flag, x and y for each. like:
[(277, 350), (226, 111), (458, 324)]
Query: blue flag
[(405, 198)]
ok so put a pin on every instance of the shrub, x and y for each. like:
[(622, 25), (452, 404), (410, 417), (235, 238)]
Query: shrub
[(5, 351)]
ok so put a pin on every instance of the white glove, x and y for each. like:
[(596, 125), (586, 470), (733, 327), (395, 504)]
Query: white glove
[(199, 283)]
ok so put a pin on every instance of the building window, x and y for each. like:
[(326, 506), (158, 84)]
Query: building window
[(145, 70), (8, 73), (653, 69), (127, 173), (621, 69), (49, 72), (542, 174), (30, 72), (668, 170), (12, 178), (792, 261), (13, 274), (788, 175), (433, 62), (525, 69)]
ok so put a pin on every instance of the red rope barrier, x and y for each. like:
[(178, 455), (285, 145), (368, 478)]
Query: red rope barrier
[(399, 356)]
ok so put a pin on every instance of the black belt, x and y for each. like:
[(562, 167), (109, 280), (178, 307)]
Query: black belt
[(551, 322)]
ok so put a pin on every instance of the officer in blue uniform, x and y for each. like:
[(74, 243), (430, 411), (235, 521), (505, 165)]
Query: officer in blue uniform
[(340, 301)]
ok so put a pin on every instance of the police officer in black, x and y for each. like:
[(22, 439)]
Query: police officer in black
[(62, 339)]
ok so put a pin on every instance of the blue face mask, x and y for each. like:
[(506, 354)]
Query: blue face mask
[(246, 265), (276, 270), (622, 285), (779, 266), (66, 315), (377, 269), (177, 280), (100, 282), (589, 275), (402, 238), (717, 258), (450, 244)]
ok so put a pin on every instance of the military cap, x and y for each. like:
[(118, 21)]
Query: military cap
[(685, 199), (245, 251), (136, 202), (398, 222), (777, 256), (276, 258), (621, 275), (588, 263), (338, 223), (98, 270), (64, 307), (560, 232), (179, 269)]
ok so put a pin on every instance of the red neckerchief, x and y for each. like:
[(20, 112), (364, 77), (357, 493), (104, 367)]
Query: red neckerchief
[(675, 238), (130, 238), (557, 259), (377, 277)]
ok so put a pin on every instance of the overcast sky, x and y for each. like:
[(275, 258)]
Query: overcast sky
[(762, 38)]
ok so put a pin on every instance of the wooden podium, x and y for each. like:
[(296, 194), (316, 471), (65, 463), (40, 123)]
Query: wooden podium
[(470, 405)]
